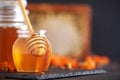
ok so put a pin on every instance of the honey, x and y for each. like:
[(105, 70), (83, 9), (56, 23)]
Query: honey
[(26, 61), (7, 37), (11, 20)]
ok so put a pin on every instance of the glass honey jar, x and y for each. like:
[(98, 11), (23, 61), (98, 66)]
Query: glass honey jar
[(11, 20), (24, 60)]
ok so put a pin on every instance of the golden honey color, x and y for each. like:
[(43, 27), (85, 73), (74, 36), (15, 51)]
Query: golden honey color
[(27, 62), (7, 37)]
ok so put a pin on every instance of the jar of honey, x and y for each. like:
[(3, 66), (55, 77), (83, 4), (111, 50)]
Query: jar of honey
[(11, 20), (25, 60)]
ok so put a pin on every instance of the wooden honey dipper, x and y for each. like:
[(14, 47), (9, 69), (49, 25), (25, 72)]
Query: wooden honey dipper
[(37, 44)]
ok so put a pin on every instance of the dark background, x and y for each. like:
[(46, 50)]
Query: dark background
[(105, 25)]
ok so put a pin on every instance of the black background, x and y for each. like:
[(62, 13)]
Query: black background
[(105, 25)]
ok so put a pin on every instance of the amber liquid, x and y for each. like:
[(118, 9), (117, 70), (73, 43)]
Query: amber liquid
[(27, 62), (7, 37)]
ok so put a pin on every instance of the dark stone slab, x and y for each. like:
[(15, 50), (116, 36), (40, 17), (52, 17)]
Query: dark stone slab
[(37, 76)]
